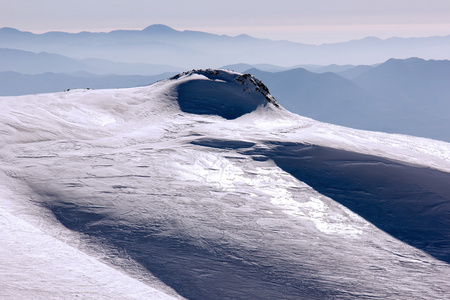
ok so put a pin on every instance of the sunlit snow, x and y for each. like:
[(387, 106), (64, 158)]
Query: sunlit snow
[(202, 187)]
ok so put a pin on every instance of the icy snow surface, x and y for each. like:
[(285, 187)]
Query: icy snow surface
[(202, 187)]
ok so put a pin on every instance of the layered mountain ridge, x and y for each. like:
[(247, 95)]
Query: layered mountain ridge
[(163, 45)]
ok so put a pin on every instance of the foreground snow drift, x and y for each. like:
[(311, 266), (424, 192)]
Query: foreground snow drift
[(202, 187)]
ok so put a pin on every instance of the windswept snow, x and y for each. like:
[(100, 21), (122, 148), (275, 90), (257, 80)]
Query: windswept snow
[(202, 186), (217, 92)]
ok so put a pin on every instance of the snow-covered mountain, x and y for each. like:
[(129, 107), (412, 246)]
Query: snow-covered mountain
[(201, 186)]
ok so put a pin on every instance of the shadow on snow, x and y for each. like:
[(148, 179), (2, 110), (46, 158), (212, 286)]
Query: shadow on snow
[(409, 202)]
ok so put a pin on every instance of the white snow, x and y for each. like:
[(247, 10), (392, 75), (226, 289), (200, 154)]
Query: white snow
[(40, 259), (200, 203)]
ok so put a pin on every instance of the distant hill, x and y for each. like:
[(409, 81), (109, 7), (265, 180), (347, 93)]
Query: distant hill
[(14, 84), (408, 79), (354, 72), (263, 67), (333, 68), (415, 94), (410, 96), (325, 97), (121, 68), (160, 44), (346, 71), (28, 62)]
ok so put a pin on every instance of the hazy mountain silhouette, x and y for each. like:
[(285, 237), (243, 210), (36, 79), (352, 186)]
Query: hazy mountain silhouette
[(354, 72), (263, 67), (415, 94), (408, 78), (333, 68), (192, 49), (325, 97), (35, 63), (14, 84), (410, 96), (28, 62), (346, 71), (120, 68)]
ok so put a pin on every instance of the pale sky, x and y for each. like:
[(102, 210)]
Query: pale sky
[(306, 21)]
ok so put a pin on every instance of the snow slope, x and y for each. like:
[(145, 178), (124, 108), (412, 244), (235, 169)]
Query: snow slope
[(202, 187)]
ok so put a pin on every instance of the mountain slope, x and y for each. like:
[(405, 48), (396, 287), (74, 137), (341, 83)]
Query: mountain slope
[(251, 205)]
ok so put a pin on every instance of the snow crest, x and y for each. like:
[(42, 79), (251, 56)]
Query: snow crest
[(221, 92)]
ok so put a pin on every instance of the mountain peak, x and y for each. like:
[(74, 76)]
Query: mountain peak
[(9, 29), (221, 92), (158, 28)]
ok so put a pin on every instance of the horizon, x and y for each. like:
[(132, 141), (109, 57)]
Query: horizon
[(300, 21), (219, 34)]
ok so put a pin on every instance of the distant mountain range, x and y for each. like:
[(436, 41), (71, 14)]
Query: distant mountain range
[(14, 84), (410, 96), (160, 44), (326, 97), (28, 62)]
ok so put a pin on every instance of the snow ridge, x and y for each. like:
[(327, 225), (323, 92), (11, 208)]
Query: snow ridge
[(249, 82)]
